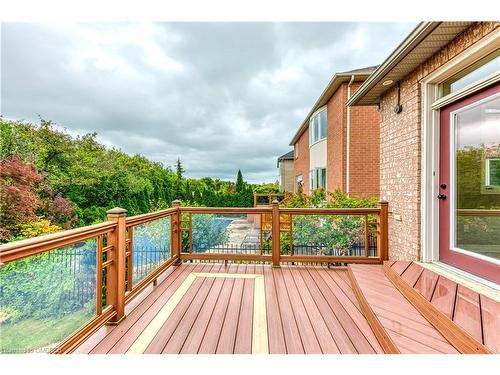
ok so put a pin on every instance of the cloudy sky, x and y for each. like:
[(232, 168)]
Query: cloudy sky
[(221, 96)]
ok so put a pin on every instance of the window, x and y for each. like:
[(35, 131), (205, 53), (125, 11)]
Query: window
[(317, 127), (295, 151), (317, 178), (493, 172), (481, 69)]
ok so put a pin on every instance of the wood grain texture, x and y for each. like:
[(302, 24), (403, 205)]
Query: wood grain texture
[(456, 336), (444, 296), (307, 309), (468, 312), (490, 311), (383, 337), (426, 283)]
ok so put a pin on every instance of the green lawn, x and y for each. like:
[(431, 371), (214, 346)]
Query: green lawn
[(31, 335)]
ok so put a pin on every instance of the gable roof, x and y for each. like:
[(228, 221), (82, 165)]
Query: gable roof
[(331, 88), (423, 42), (290, 155)]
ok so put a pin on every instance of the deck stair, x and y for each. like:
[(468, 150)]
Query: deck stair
[(443, 300), (402, 319)]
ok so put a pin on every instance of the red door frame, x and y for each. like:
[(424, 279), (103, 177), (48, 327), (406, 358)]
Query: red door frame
[(477, 266)]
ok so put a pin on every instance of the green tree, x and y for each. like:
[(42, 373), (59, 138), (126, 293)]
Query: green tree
[(240, 184), (179, 171)]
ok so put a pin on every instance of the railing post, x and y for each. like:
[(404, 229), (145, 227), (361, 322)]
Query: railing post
[(276, 234), (175, 235), (383, 228), (117, 274)]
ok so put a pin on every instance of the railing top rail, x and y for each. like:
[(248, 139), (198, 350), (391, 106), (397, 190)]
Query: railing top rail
[(36, 245), (227, 210), (144, 218), (330, 211)]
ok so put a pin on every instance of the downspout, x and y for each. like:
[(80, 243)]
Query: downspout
[(348, 135)]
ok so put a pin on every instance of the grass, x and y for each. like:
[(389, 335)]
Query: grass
[(33, 335)]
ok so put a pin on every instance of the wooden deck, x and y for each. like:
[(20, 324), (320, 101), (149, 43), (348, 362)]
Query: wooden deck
[(212, 308), (247, 308), (475, 313)]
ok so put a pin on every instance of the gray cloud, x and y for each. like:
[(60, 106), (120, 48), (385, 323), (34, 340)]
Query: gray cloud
[(221, 96)]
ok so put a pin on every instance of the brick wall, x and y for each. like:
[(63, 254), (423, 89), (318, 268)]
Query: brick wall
[(335, 142), (400, 148), (301, 163), (364, 145), (364, 179)]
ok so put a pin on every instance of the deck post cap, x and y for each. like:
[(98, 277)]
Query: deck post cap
[(276, 202), (176, 202), (117, 211)]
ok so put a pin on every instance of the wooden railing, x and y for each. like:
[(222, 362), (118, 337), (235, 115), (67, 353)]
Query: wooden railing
[(268, 198), (278, 224), (119, 244), (114, 254)]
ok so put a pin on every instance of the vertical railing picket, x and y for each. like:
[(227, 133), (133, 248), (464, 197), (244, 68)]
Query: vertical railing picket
[(176, 231), (98, 291), (382, 226), (276, 234), (116, 271)]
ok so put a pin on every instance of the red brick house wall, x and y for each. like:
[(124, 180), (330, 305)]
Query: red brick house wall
[(364, 163), (364, 145), (335, 142), (301, 163), (400, 148)]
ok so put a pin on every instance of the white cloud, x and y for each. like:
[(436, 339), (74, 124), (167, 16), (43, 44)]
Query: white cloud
[(222, 96)]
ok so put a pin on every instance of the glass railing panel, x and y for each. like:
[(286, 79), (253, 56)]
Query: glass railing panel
[(47, 297), (150, 247), (327, 235), (223, 233)]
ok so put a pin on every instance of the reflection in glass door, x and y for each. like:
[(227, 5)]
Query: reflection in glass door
[(470, 184)]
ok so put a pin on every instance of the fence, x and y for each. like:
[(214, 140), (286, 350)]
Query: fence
[(80, 279)]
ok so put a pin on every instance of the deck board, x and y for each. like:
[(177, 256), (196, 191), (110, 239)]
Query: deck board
[(321, 329), (210, 339), (444, 296), (308, 309), (490, 312), (475, 314), (351, 319), (412, 273), (340, 336), (468, 313), (274, 326), (391, 309), (199, 287), (427, 283), (122, 336), (400, 266), (291, 333)]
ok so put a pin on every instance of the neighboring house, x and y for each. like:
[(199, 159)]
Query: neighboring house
[(337, 147), (439, 99), (285, 165)]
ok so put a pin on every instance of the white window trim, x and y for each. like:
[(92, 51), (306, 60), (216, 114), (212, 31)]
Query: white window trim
[(311, 127), (314, 172), (430, 136)]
